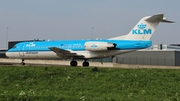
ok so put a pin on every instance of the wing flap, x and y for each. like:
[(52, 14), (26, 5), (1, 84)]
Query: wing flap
[(64, 53)]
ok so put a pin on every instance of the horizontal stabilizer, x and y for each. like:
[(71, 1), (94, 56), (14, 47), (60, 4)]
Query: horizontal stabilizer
[(165, 20), (158, 18)]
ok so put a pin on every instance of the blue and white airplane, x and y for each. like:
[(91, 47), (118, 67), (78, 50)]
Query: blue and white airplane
[(137, 38)]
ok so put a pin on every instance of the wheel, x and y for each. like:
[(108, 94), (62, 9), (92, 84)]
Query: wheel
[(73, 63), (22, 63), (85, 64)]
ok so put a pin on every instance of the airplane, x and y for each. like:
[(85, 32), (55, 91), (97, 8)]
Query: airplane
[(137, 38)]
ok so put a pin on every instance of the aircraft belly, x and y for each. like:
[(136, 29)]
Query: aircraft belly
[(102, 54)]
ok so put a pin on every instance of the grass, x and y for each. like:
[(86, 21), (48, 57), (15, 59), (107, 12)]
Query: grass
[(40, 83)]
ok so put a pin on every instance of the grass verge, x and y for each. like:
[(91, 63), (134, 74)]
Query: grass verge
[(40, 83)]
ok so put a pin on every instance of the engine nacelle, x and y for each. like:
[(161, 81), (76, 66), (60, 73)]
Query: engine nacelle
[(99, 46)]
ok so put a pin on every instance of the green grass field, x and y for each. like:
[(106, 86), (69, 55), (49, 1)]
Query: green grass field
[(40, 83)]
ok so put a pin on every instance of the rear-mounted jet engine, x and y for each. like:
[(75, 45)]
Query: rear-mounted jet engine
[(99, 46)]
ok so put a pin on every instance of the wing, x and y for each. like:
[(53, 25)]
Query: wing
[(65, 53)]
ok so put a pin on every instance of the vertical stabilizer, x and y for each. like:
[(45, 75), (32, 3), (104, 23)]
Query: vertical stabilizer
[(145, 28)]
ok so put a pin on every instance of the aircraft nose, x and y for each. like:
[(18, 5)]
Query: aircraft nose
[(7, 54)]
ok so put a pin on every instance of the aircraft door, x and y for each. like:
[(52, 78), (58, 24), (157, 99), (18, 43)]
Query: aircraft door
[(21, 50)]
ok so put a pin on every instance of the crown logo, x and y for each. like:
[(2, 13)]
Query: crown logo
[(141, 26)]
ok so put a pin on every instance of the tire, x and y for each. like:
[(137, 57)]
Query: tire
[(85, 64), (22, 63), (73, 63)]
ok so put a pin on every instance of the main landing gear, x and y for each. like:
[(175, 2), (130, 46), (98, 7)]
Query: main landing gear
[(84, 64), (73, 63)]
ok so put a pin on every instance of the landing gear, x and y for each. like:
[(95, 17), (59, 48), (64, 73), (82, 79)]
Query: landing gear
[(73, 63), (85, 63), (22, 63)]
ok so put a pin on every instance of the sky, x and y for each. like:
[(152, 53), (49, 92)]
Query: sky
[(84, 19)]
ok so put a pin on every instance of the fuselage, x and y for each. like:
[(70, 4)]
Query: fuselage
[(40, 49)]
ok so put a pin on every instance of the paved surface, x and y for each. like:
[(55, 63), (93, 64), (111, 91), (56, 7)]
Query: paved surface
[(6, 61)]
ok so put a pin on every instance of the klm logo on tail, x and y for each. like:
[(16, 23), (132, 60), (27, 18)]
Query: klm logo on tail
[(141, 29)]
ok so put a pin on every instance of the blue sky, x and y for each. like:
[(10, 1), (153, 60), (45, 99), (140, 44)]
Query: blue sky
[(74, 19)]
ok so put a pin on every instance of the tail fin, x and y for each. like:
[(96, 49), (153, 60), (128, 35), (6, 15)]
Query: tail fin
[(145, 28)]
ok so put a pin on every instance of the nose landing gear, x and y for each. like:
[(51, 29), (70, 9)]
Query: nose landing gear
[(22, 63)]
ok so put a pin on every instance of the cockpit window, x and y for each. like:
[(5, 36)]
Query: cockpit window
[(14, 46)]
